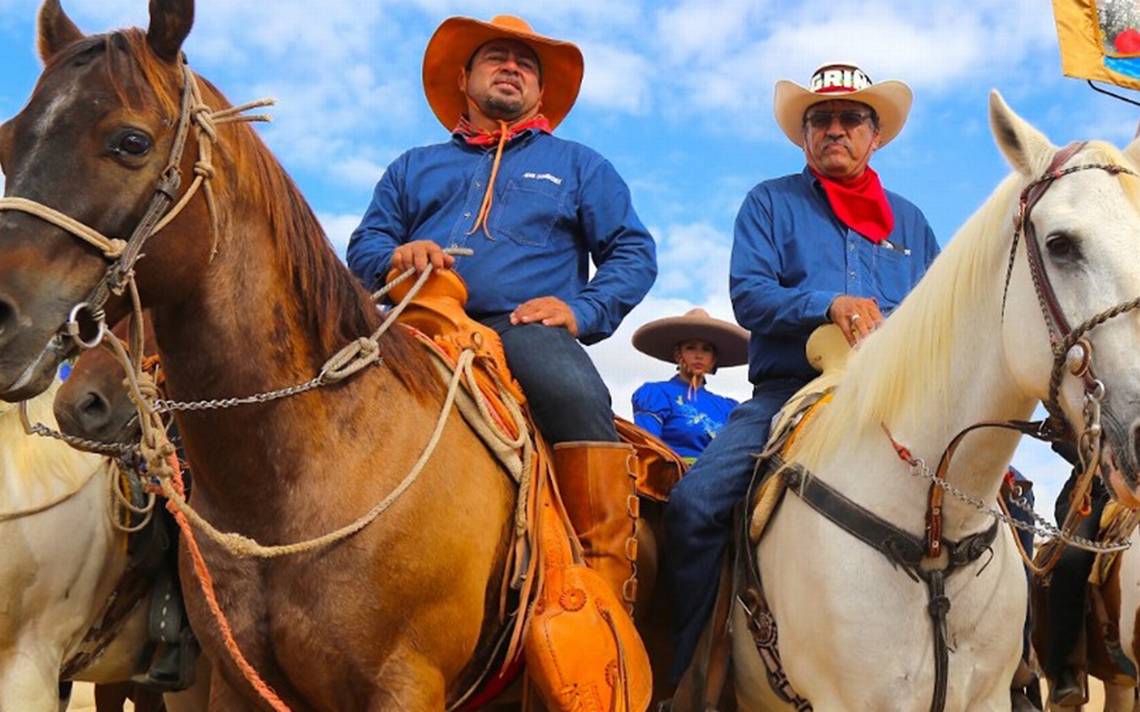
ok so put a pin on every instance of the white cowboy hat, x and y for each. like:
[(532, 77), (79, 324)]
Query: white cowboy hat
[(891, 99), (658, 338)]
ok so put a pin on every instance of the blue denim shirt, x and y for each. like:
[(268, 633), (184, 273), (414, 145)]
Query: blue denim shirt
[(791, 257), (557, 204)]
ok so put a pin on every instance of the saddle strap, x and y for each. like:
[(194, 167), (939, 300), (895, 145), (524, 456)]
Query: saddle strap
[(901, 548), (904, 550), (748, 592)]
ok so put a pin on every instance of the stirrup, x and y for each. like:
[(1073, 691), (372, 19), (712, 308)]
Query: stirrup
[(174, 665)]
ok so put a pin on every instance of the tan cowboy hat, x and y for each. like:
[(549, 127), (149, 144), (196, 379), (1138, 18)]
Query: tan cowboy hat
[(453, 43), (891, 99), (658, 338)]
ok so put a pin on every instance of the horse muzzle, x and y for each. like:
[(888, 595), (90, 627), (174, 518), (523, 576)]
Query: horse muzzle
[(27, 378)]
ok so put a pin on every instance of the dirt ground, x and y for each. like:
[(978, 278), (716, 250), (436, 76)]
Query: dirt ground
[(82, 699)]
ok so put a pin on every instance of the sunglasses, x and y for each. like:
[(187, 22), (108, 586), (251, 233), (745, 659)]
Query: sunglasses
[(849, 119)]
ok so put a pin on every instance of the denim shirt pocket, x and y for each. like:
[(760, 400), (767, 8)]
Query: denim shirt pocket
[(892, 274), (526, 210)]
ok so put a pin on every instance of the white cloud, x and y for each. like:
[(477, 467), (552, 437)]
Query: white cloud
[(703, 30), (617, 79), (693, 259)]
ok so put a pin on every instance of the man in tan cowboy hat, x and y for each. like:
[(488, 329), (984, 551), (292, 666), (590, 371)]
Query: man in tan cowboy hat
[(535, 209), (682, 411), (827, 244)]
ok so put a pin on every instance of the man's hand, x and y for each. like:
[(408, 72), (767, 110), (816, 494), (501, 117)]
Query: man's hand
[(856, 317), (418, 254), (549, 311)]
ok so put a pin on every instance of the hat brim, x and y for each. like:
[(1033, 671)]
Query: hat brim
[(891, 100), (452, 45), (659, 338)]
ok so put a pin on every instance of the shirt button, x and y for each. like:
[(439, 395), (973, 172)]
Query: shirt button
[(478, 184), (466, 215), (852, 273)]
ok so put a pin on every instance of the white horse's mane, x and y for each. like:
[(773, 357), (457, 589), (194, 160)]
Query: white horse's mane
[(910, 354)]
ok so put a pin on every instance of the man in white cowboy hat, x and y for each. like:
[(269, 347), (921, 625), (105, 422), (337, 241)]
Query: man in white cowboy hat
[(827, 244), (682, 411), (535, 209)]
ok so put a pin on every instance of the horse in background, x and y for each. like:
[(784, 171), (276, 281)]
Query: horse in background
[(969, 344), (62, 558)]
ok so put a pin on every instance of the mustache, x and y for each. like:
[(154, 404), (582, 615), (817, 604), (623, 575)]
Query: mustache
[(507, 78), (839, 140)]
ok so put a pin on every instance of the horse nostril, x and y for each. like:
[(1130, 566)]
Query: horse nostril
[(7, 315), (94, 411)]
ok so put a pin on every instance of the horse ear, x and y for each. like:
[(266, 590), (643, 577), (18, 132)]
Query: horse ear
[(170, 23), (1022, 144), (56, 30)]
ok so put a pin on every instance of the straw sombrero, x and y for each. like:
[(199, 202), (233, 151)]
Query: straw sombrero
[(891, 99), (453, 43), (658, 338)]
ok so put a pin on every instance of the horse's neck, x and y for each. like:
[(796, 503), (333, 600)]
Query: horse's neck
[(245, 332), (34, 469), (982, 390)]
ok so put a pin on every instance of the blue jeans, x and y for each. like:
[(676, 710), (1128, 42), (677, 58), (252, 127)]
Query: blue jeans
[(698, 518), (566, 395)]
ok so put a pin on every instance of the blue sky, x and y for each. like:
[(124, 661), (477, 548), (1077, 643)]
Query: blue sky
[(676, 94)]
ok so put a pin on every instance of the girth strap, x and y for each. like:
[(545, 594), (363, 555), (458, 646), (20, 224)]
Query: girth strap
[(904, 550)]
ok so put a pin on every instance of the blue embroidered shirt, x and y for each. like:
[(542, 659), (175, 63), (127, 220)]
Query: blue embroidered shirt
[(557, 204), (688, 426), (791, 257)]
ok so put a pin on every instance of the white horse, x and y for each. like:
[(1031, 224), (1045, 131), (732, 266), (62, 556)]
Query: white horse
[(854, 631), (58, 566)]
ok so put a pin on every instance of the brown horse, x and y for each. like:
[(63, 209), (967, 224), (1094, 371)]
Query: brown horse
[(94, 404), (247, 299)]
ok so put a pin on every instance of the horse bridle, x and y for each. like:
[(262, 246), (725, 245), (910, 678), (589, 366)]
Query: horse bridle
[(1071, 350), (122, 255)]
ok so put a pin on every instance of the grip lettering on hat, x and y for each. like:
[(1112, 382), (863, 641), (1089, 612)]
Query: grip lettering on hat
[(839, 79)]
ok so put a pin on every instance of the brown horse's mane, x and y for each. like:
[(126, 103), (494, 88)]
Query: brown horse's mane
[(337, 308)]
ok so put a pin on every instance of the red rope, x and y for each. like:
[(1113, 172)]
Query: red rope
[(207, 583)]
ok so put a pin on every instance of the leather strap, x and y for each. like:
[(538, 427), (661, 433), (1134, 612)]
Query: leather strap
[(904, 550)]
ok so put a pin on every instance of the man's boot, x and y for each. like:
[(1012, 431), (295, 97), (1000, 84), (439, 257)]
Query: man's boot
[(596, 481)]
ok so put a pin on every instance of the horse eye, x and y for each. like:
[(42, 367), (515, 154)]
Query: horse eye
[(132, 143), (1061, 246)]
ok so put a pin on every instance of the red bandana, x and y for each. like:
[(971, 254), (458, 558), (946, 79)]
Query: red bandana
[(860, 204), (486, 139)]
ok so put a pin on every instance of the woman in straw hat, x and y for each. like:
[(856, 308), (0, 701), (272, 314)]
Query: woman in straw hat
[(682, 411), (535, 209)]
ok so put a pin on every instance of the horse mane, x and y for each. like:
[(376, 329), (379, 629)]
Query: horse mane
[(336, 306), (909, 355)]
